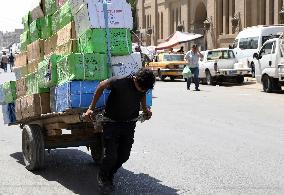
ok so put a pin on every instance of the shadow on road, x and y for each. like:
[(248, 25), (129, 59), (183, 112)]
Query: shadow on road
[(226, 84), (75, 170)]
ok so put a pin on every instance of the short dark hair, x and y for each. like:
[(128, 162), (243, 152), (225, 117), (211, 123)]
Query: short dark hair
[(145, 78)]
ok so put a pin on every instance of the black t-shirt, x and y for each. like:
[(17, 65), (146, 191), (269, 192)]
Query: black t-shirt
[(123, 103)]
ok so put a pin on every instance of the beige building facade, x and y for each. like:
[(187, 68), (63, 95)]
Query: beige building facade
[(218, 20)]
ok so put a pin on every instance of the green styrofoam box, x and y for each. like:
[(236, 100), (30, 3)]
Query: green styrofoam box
[(50, 7), (35, 29), (65, 14), (79, 66), (26, 20), (65, 19), (55, 22), (9, 89), (25, 40), (46, 30), (95, 41), (33, 85), (47, 72)]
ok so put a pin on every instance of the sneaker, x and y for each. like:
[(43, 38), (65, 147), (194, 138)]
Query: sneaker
[(188, 88), (196, 89), (104, 184)]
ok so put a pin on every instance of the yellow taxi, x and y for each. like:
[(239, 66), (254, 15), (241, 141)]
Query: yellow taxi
[(167, 65)]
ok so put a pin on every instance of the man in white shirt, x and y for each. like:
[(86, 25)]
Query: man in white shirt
[(192, 57)]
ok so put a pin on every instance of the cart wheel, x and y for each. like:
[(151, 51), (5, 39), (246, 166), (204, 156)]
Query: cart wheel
[(97, 149), (33, 147)]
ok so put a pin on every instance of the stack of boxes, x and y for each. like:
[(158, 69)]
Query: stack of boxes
[(64, 54)]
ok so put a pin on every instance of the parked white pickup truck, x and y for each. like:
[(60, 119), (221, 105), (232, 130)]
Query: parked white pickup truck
[(220, 65), (269, 64)]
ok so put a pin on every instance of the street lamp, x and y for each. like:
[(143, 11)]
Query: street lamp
[(236, 21), (207, 26), (180, 27), (281, 14)]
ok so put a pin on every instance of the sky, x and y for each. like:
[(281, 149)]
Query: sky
[(12, 11)]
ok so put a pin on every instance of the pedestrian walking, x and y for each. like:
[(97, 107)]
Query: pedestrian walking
[(11, 61), (4, 61), (192, 57), (127, 95)]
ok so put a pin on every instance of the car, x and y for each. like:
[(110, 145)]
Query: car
[(168, 65), (269, 63), (220, 65)]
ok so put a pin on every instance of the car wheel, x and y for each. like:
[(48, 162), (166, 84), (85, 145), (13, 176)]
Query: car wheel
[(172, 78), (252, 70), (209, 79), (240, 79), (267, 84), (162, 77)]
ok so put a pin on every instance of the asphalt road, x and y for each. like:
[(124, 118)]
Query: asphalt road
[(221, 140)]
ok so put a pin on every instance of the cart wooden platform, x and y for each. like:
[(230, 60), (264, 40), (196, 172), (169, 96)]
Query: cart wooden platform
[(45, 132)]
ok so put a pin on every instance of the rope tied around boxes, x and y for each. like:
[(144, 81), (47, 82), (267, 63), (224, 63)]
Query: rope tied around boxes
[(105, 8)]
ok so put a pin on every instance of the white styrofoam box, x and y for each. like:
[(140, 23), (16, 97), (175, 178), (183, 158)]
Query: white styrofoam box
[(126, 65), (76, 4), (91, 15)]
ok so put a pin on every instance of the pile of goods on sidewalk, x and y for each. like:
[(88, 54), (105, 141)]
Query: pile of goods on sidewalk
[(67, 48)]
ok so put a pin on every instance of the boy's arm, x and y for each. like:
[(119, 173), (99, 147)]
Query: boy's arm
[(145, 109), (99, 91)]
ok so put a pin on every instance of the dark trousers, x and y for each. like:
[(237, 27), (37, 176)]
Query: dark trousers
[(195, 72), (118, 139)]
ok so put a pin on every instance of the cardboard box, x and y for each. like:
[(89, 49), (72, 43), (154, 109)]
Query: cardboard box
[(35, 51), (50, 45), (21, 87), (91, 15), (66, 34), (32, 66), (18, 110), (33, 105), (70, 47), (37, 13), (21, 59)]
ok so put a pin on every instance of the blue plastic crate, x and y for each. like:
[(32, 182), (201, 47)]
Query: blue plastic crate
[(75, 94)]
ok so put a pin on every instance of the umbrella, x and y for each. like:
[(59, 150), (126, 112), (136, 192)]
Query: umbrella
[(177, 38)]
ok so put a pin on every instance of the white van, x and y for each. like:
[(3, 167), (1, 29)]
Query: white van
[(269, 65), (250, 40)]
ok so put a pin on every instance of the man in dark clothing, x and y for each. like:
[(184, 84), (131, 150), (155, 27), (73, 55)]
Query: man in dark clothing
[(4, 61), (122, 108), (11, 61)]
